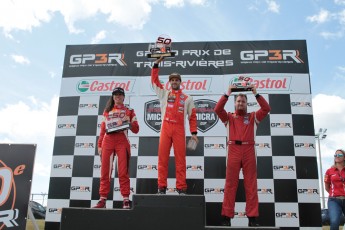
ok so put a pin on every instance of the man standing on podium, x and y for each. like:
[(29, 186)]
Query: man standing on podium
[(241, 128), (175, 106)]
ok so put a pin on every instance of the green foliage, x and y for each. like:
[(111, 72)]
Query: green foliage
[(30, 226)]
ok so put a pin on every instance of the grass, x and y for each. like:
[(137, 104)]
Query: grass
[(327, 228), (30, 226)]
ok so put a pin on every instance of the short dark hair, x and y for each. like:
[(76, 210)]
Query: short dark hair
[(175, 75), (241, 95)]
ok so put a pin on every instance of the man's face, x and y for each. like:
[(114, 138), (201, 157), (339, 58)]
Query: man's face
[(241, 103), (175, 83), (118, 98)]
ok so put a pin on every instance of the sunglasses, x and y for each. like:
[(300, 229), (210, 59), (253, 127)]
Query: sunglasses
[(338, 155)]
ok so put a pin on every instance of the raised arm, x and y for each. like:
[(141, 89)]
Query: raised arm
[(264, 106), (156, 84), (219, 109)]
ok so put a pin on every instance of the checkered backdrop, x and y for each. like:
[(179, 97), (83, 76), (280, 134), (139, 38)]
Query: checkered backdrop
[(288, 185)]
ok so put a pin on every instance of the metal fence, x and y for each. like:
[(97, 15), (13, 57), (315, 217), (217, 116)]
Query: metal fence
[(40, 198)]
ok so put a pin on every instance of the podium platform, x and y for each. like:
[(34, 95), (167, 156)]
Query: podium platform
[(154, 212)]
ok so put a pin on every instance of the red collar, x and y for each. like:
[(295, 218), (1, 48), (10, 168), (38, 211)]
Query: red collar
[(119, 106), (240, 112), (176, 91)]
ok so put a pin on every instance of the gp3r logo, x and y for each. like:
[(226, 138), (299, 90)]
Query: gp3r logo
[(271, 55), (8, 214), (109, 58)]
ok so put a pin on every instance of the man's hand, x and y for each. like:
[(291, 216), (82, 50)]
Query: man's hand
[(253, 89), (194, 137), (159, 60), (230, 89)]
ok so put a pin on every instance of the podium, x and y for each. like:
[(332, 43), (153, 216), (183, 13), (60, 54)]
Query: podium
[(168, 212), (153, 212)]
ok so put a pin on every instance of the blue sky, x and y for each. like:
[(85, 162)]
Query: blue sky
[(34, 35)]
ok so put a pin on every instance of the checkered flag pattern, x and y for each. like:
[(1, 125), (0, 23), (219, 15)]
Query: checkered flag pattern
[(288, 183)]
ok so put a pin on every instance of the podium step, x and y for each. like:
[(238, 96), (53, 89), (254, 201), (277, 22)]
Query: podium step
[(153, 212), (240, 228), (168, 212)]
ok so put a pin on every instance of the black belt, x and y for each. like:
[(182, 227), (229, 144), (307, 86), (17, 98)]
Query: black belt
[(241, 142), (338, 197)]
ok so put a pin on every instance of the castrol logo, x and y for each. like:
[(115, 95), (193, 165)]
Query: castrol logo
[(270, 83), (103, 86), (191, 85)]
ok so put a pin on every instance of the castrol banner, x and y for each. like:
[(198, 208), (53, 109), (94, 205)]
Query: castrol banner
[(274, 82), (191, 84), (16, 168), (95, 85)]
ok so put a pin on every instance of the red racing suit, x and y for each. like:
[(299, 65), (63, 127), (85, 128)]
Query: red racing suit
[(175, 106), (116, 143), (241, 153)]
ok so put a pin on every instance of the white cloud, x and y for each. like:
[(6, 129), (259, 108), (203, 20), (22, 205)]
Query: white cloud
[(173, 3), (272, 6), (326, 16), (198, 2), (340, 75), (52, 74), (32, 122), (132, 14), (330, 35), (341, 17), (181, 3), (341, 68), (329, 113), (27, 123), (321, 17), (20, 59), (99, 37), (253, 7), (23, 15), (339, 2)]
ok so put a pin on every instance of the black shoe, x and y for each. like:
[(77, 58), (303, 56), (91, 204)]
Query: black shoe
[(226, 221), (253, 222), (182, 191), (162, 191)]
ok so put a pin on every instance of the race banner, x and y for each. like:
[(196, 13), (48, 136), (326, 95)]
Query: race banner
[(16, 168), (205, 58)]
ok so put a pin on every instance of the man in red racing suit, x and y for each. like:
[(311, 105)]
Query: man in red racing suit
[(175, 106), (115, 143), (241, 153)]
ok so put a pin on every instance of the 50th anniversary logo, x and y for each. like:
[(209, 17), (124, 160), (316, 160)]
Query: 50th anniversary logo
[(8, 195)]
